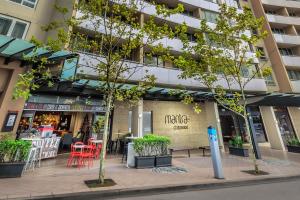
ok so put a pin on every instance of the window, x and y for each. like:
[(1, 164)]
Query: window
[(153, 60), (278, 30), (294, 75), (147, 122), (12, 27), (210, 16), (270, 80), (191, 37), (28, 3), (262, 53), (213, 1), (188, 13), (286, 52), (272, 12)]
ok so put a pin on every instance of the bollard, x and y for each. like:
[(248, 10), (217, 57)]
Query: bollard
[(215, 152)]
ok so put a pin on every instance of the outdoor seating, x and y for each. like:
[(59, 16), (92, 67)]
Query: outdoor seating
[(87, 155), (67, 140), (82, 154), (75, 155)]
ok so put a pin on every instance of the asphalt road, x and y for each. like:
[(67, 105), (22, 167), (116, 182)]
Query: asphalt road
[(270, 191)]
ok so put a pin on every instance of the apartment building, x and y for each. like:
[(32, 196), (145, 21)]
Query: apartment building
[(281, 48), (154, 111), (23, 19), (20, 19)]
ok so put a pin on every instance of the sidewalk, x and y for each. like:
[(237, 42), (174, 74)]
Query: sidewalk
[(54, 178)]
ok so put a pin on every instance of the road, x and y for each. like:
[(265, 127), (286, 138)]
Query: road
[(270, 191)]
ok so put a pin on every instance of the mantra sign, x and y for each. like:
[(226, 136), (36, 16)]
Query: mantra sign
[(178, 121)]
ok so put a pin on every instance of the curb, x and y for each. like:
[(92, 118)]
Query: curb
[(118, 193)]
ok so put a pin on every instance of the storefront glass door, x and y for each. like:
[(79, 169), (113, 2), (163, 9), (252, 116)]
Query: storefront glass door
[(284, 123)]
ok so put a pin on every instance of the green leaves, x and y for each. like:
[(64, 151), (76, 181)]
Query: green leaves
[(236, 142), (14, 150), (151, 145)]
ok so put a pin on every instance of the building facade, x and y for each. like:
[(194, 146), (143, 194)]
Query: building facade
[(154, 113), (281, 48)]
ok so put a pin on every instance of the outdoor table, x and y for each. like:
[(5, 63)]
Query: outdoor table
[(97, 141)]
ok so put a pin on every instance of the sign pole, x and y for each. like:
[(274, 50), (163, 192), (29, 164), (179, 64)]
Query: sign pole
[(215, 152)]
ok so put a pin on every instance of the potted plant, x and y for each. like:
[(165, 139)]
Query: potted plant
[(236, 147), (13, 154), (162, 158), (293, 145), (144, 147)]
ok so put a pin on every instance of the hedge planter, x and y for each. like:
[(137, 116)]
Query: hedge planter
[(239, 151), (144, 162), (163, 161), (294, 149), (11, 170)]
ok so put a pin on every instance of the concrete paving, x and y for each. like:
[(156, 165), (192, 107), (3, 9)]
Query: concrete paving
[(54, 178)]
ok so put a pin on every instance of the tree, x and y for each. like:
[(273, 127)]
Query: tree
[(221, 61), (112, 31)]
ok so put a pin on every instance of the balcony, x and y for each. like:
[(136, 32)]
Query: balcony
[(202, 4), (282, 3), (296, 86), (292, 61), (287, 39), (283, 19), (164, 76)]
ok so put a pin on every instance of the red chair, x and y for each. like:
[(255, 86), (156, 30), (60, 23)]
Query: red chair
[(97, 151), (93, 145), (87, 155), (75, 154)]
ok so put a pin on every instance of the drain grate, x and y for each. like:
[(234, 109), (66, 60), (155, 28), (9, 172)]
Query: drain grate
[(169, 170)]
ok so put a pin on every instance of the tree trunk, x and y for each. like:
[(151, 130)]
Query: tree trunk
[(105, 136), (252, 153)]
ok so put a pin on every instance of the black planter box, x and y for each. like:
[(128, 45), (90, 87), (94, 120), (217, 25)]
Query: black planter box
[(163, 161), (239, 151), (294, 149), (144, 162), (11, 170)]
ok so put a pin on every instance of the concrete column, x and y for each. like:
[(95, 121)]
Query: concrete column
[(137, 119), (8, 79), (197, 13), (272, 128), (213, 119), (294, 113), (140, 51)]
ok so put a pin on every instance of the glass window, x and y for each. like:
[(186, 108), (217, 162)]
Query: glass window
[(12, 27), (153, 60), (4, 25), (28, 3), (210, 16), (147, 122), (18, 30)]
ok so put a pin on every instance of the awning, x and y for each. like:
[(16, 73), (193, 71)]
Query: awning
[(276, 99), (13, 48)]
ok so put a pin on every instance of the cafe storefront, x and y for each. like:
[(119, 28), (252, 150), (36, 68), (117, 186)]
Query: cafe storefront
[(65, 114)]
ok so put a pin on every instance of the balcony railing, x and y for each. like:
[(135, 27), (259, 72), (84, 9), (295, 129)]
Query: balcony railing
[(283, 3), (164, 76), (292, 61), (283, 19), (287, 39), (296, 86)]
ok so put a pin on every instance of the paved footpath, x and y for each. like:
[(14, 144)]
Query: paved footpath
[(54, 179), (272, 191)]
